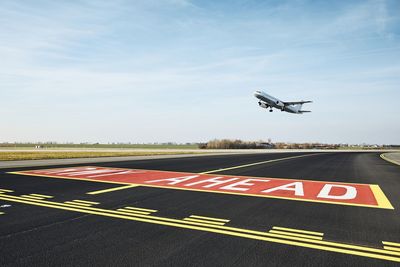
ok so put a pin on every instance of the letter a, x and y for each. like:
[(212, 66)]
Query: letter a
[(297, 187)]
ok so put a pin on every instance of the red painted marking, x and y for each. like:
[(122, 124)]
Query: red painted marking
[(332, 192)]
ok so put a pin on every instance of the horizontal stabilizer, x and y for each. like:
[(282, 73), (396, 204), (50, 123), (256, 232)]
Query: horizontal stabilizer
[(304, 111)]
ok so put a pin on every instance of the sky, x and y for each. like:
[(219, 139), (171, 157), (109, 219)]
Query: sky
[(185, 71)]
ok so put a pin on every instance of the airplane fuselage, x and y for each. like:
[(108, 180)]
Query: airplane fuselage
[(268, 101)]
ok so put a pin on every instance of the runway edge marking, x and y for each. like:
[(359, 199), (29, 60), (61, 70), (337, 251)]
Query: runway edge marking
[(219, 229), (388, 160)]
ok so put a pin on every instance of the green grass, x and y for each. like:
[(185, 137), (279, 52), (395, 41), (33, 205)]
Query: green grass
[(22, 155), (141, 146)]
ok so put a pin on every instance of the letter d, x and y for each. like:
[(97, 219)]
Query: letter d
[(351, 192)]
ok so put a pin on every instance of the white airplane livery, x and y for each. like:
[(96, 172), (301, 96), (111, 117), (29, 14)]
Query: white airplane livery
[(267, 101)]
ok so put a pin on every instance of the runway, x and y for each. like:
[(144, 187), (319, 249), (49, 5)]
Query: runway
[(204, 211)]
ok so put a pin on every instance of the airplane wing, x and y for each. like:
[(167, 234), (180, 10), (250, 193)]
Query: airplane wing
[(296, 102)]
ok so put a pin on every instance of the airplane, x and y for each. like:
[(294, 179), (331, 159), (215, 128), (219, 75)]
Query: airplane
[(267, 101)]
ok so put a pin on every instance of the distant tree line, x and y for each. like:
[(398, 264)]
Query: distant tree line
[(306, 146), (239, 144), (231, 144), (213, 144)]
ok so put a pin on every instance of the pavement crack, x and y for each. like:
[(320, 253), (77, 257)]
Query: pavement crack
[(44, 226)]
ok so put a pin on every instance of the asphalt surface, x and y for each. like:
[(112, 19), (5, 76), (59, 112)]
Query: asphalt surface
[(32, 235)]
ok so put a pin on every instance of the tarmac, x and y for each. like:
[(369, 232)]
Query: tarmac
[(264, 209)]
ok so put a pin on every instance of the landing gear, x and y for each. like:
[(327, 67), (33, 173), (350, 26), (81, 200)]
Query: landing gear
[(270, 110)]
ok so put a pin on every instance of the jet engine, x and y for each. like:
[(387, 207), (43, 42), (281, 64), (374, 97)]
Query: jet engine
[(263, 105), (279, 103)]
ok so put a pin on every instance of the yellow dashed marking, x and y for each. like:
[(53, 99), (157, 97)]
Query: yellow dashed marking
[(134, 211), (32, 197), (209, 218), (85, 201), (293, 234), (77, 203), (391, 243), (6, 190), (337, 247), (391, 248), (203, 221), (140, 209), (40, 195)]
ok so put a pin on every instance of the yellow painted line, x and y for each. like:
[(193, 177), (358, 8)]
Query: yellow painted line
[(209, 218), (77, 203), (297, 230), (387, 159), (140, 209), (391, 248), (1, 213), (256, 163), (391, 243), (314, 244), (40, 195), (112, 189), (226, 231), (85, 201), (6, 190), (134, 211), (33, 197), (380, 197), (65, 177), (201, 221), (129, 213), (293, 234)]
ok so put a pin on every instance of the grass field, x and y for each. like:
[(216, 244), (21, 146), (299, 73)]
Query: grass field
[(96, 146), (27, 155)]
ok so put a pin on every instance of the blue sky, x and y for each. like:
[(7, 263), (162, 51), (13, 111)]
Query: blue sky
[(185, 71)]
